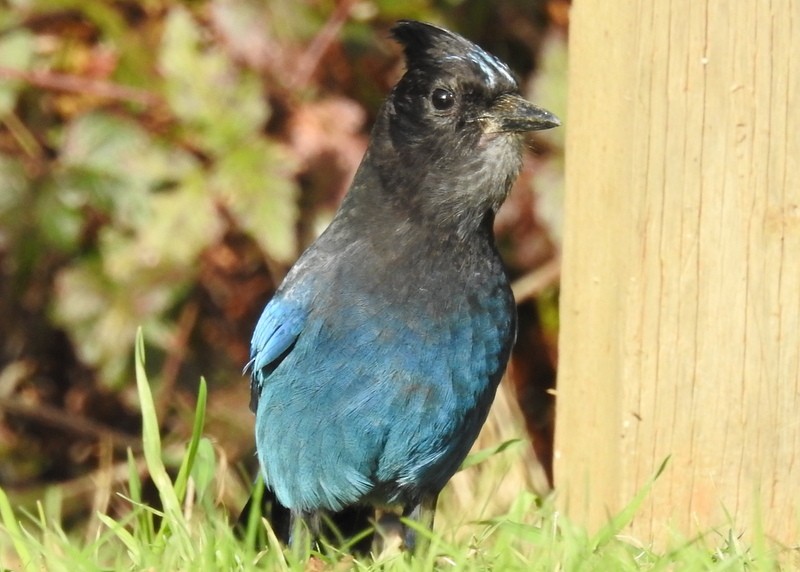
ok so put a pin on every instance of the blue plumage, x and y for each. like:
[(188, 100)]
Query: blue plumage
[(385, 387), (376, 362)]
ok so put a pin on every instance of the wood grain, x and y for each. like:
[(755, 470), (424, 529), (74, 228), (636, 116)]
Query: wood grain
[(680, 325)]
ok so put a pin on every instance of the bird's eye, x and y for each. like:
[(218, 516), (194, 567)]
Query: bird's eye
[(442, 99)]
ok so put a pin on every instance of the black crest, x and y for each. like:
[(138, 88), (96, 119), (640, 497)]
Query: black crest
[(427, 45)]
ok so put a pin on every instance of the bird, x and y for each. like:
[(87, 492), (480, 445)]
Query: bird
[(375, 363)]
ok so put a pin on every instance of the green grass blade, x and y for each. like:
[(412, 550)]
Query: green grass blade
[(625, 516), (134, 546), (14, 530), (479, 457), (197, 433), (151, 440), (134, 482), (204, 468), (254, 517), (144, 518)]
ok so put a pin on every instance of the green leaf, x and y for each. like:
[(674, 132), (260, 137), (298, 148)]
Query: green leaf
[(14, 187), (59, 217), (180, 224), (161, 219), (106, 143), (101, 314), (218, 102), (223, 108), (113, 162), (16, 52), (254, 182)]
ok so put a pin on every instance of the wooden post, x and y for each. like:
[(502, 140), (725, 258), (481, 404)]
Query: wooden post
[(680, 315)]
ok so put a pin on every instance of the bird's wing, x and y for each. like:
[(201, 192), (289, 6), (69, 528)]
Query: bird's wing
[(276, 332)]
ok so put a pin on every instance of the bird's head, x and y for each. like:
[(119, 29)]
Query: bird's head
[(448, 138)]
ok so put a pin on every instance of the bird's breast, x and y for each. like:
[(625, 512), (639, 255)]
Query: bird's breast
[(391, 379)]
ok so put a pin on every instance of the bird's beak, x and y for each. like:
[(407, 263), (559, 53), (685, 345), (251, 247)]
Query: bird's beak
[(511, 113)]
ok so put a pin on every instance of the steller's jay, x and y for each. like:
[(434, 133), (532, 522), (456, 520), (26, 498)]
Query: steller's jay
[(375, 363)]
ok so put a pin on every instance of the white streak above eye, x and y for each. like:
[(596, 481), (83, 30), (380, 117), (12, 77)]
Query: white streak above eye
[(493, 70)]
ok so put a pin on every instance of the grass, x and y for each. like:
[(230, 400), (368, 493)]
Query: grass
[(190, 532)]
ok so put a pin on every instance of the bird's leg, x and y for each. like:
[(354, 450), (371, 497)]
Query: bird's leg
[(389, 537), (350, 528), (422, 514), (304, 531)]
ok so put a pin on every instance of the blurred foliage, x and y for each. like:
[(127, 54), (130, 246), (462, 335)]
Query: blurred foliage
[(162, 163)]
